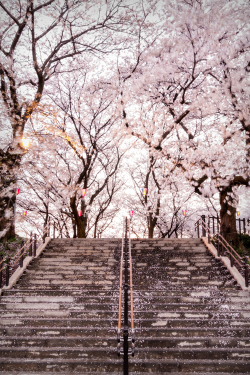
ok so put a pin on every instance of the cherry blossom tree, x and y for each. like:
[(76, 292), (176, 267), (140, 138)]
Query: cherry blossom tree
[(39, 40), (162, 207), (78, 152), (187, 98)]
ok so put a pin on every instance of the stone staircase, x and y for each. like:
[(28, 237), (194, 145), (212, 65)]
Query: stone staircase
[(61, 317), (190, 315)]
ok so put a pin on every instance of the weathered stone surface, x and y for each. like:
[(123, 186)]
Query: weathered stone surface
[(62, 315)]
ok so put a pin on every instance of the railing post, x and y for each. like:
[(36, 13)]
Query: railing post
[(244, 225), (203, 218), (30, 246), (48, 227), (246, 271), (35, 245), (7, 271), (218, 230), (125, 330), (198, 229), (21, 258), (1, 272), (218, 246), (208, 233), (213, 225), (231, 257), (222, 247), (44, 232), (54, 230)]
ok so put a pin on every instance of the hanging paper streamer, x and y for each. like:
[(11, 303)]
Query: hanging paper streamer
[(24, 213), (144, 191), (17, 191), (79, 213), (184, 212), (238, 213), (131, 213), (84, 191)]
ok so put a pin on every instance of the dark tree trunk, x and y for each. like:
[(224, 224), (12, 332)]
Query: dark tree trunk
[(228, 216), (80, 221), (151, 225), (9, 163), (151, 231), (95, 231)]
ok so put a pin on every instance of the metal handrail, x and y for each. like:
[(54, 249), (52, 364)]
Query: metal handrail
[(233, 255), (120, 300), (24, 248), (126, 263), (222, 240), (131, 294)]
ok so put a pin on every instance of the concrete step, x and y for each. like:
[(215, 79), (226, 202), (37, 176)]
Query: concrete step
[(40, 353), (85, 302), (83, 292), (193, 322), (67, 332), (162, 343), (60, 342), (57, 322), (146, 333), (57, 365), (48, 312), (62, 315), (190, 366)]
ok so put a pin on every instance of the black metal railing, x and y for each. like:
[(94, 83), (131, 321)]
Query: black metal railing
[(225, 249), (126, 286), (8, 264), (213, 222)]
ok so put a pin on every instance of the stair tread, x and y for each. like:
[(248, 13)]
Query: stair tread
[(189, 315)]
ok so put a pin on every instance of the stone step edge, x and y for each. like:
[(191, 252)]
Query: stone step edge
[(137, 329), (118, 373), (137, 321), (226, 261), (137, 338), (113, 348), (19, 271), (89, 373), (119, 361)]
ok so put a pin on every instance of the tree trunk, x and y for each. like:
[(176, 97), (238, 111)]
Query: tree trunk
[(9, 162), (151, 231), (80, 221), (95, 230), (151, 225), (228, 216)]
